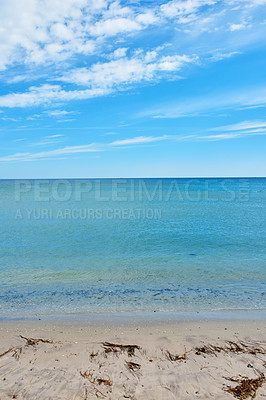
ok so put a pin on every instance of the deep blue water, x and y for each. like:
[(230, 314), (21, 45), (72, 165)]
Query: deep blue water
[(74, 246)]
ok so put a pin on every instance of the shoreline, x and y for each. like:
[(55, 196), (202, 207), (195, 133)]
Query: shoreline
[(157, 317)]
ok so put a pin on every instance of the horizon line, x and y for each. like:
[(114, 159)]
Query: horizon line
[(146, 177)]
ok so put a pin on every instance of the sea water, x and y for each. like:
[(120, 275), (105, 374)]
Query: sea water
[(115, 245)]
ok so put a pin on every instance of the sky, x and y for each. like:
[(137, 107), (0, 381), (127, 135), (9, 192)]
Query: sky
[(104, 88)]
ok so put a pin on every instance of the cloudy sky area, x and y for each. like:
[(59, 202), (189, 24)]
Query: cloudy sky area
[(103, 88)]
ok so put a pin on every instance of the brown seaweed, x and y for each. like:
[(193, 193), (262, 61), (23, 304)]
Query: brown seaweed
[(175, 357), (133, 366), (106, 382), (208, 349), (231, 347), (34, 342), (6, 352), (86, 394), (17, 353), (112, 347), (93, 355), (246, 387), (244, 348), (98, 381)]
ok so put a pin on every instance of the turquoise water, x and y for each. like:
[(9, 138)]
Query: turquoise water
[(82, 246)]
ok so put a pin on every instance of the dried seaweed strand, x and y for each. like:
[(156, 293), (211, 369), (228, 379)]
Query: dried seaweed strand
[(246, 387), (33, 342), (133, 366), (8, 351), (175, 357), (130, 348)]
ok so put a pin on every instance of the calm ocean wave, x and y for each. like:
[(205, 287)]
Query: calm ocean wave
[(72, 246)]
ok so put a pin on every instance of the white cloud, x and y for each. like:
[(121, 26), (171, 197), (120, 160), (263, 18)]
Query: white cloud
[(142, 67), (254, 3), (56, 32), (233, 135), (19, 78), (90, 148), (53, 136), (9, 119), (101, 79), (48, 140), (59, 113), (174, 63), (114, 26), (237, 27), (220, 137), (139, 140), (120, 52), (204, 105), (45, 142), (120, 144), (34, 117), (219, 55), (241, 126), (34, 96), (41, 31), (115, 9), (109, 74), (147, 18), (46, 94), (176, 8), (37, 31)]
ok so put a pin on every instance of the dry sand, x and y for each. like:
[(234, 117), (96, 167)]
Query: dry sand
[(170, 360)]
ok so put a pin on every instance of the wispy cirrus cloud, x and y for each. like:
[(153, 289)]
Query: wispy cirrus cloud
[(90, 148), (59, 113), (242, 99), (9, 119), (221, 54), (54, 136), (139, 140), (233, 135), (124, 144), (250, 125), (48, 141), (222, 136)]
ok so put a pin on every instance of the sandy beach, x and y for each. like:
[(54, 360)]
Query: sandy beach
[(138, 360)]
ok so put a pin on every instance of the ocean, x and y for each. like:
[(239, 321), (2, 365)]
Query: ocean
[(74, 246)]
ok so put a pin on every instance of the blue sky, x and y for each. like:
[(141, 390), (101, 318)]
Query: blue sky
[(103, 88)]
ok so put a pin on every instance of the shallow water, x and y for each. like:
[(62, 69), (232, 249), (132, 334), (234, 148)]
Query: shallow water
[(74, 246)]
